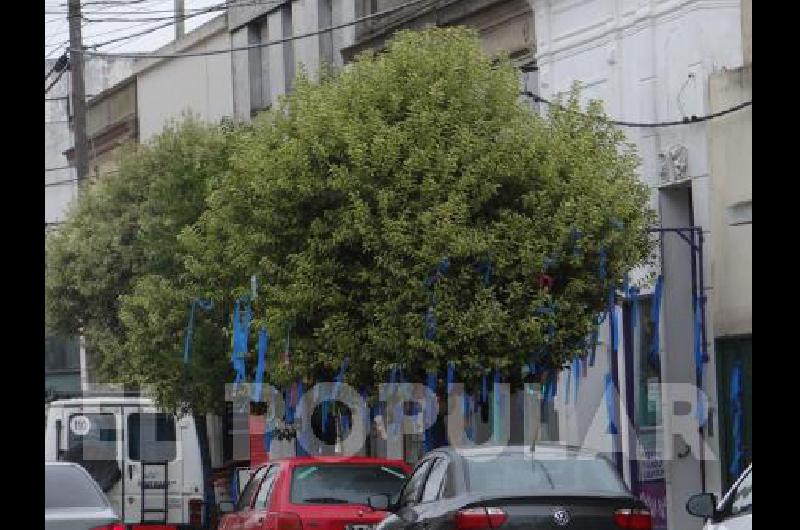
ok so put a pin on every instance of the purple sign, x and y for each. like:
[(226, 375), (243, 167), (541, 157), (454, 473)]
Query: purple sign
[(654, 495)]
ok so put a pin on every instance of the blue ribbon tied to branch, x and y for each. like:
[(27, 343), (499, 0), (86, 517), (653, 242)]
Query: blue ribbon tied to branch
[(655, 317), (263, 345), (241, 333), (431, 383), (700, 359)]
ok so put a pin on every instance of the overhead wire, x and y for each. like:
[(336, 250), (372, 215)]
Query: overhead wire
[(56, 80), (150, 55), (685, 121), (172, 19), (217, 7)]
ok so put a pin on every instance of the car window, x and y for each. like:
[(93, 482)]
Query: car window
[(250, 489), (93, 436), (266, 488), (433, 486), (152, 437), (344, 483), (70, 487), (514, 472), (742, 501), (413, 488)]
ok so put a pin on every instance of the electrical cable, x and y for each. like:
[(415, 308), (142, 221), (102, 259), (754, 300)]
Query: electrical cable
[(59, 65), (56, 80), (257, 45), (171, 22), (684, 121), (217, 7)]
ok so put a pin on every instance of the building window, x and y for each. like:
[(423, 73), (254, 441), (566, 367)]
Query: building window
[(325, 20), (255, 73), (288, 46), (646, 367)]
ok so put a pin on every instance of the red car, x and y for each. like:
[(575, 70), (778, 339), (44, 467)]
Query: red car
[(316, 493)]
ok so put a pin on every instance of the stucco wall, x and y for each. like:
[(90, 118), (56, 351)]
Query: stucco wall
[(731, 159), (100, 74), (200, 85)]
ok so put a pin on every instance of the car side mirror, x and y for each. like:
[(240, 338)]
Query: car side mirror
[(702, 505), (379, 502), (226, 507)]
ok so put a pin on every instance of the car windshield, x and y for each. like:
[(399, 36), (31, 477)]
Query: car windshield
[(344, 484), (69, 487), (525, 472)]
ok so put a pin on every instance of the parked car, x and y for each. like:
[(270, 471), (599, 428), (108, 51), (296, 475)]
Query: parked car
[(320, 493), (546, 486), (733, 512), (74, 501)]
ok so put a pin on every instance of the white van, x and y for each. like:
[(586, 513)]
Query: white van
[(132, 449)]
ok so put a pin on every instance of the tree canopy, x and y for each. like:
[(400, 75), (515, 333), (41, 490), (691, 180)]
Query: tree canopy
[(404, 212), (119, 242)]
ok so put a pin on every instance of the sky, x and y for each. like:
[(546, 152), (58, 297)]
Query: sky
[(136, 15)]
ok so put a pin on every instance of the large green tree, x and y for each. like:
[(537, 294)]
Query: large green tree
[(118, 244), (343, 201), (345, 198)]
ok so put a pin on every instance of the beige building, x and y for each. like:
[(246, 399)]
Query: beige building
[(731, 159), (503, 25), (111, 121)]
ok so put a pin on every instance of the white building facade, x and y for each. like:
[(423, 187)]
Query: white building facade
[(199, 85), (261, 74), (650, 61)]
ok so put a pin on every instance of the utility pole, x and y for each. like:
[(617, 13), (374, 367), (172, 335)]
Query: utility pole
[(179, 19), (78, 90), (79, 131)]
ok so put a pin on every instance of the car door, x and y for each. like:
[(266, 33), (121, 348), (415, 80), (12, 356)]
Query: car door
[(254, 519), (406, 515), (245, 504), (152, 463), (737, 510), (432, 513)]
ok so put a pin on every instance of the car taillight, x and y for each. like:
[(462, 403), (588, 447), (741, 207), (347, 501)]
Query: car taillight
[(288, 521), (480, 518), (196, 512), (633, 519), (112, 526)]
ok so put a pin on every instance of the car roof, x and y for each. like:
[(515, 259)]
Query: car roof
[(102, 400), (540, 449), (306, 460), (61, 464)]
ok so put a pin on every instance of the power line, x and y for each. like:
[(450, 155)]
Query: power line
[(171, 21), (257, 45), (684, 121), (48, 169), (218, 7), (59, 65), (56, 80), (74, 179), (60, 182)]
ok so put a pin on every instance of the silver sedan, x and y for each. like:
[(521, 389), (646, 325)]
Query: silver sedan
[(74, 501)]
